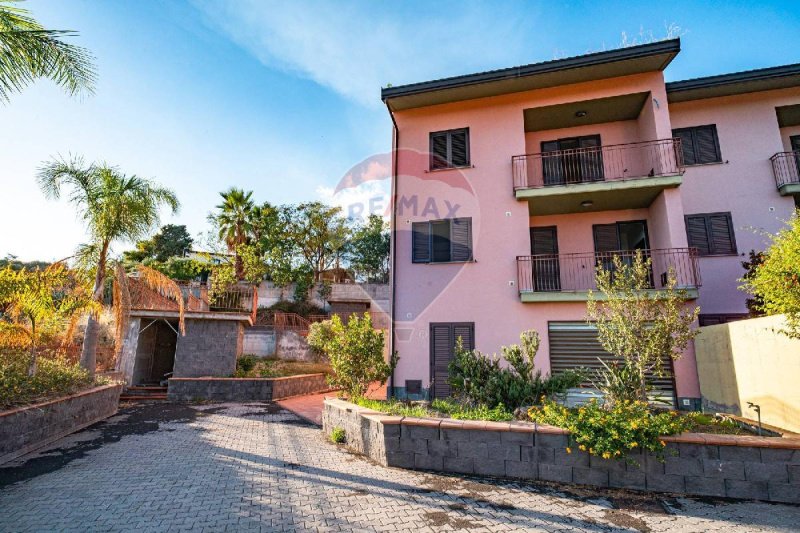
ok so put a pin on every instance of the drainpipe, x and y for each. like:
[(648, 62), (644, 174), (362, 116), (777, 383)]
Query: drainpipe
[(392, 233)]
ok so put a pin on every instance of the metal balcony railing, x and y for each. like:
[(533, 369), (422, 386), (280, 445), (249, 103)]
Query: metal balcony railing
[(597, 164), (786, 168), (576, 272), (241, 299)]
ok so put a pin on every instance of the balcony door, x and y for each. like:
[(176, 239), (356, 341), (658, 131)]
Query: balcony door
[(572, 160), (546, 271), (794, 141), (621, 239)]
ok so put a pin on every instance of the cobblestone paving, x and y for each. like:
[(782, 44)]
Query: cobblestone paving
[(234, 467)]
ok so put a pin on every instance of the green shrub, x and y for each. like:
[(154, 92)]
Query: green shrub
[(55, 376), (355, 351), (625, 427), (338, 435), (482, 380), (246, 363)]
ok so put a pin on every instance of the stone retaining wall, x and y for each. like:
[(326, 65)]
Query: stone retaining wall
[(698, 464), (245, 389), (28, 428)]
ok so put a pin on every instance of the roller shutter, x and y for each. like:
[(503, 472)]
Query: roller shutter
[(575, 344)]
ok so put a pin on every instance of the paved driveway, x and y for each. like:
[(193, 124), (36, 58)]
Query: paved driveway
[(257, 467)]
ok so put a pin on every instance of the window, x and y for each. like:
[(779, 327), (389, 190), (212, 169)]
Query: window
[(572, 160), (449, 149), (711, 233), (700, 144), (443, 339), (442, 241)]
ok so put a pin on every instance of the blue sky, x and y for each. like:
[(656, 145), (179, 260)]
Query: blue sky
[(282, 98)]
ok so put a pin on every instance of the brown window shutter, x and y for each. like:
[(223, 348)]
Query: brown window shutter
[(459, 148), (466, 332), (687, 145), (721, 229), (421, 242), (606, 238), (697, 234), (544, 241), (706, 145), (461, 239), (439, 158), (442, 342)]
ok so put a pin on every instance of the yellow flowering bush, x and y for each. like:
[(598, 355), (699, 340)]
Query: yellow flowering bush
[(626, 427)]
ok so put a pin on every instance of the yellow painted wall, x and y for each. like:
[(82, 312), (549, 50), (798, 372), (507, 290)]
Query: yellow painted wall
[(750, 361)]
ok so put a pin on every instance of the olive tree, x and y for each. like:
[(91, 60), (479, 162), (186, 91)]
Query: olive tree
[(638, 324)]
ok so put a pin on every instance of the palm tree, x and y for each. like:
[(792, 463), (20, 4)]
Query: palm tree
[(235, 222), (28, 51), (114, 207)]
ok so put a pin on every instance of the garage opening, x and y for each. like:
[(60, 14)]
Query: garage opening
[(575, 344), (155, 352)]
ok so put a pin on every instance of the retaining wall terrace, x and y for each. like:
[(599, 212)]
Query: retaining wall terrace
[(28, 428), (757, 468), (245, 389)]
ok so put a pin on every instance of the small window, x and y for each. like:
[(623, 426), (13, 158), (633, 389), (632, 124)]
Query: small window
[(449, 149), (700, 144), (711, 233), (442, 241)]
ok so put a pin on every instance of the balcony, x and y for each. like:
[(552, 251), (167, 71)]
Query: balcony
[(620, 176), (236, 300), (569, 277), (786, 168)]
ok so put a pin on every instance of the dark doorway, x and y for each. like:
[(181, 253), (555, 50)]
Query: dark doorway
[(163, 352), (443, 337), (575, 160), (620, 239), (546, 271)]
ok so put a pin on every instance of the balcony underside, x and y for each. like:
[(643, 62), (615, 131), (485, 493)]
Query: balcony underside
[(790, 189), (603, 195), (582, 296)]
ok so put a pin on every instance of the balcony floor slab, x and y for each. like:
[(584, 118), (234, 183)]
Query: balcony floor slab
[(789, 189), (605, 195), (582, 296)]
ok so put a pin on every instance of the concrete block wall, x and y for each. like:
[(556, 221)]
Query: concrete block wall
[(209, 348), (697, 464), (244, 389), (28, 428)]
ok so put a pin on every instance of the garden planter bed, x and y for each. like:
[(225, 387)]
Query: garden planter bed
[(28, 428), (245, 389), (698, 464)]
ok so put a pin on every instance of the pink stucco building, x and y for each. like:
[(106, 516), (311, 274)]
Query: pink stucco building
[(511, 185)]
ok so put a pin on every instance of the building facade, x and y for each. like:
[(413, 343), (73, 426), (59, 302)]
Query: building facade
[(510, 187)]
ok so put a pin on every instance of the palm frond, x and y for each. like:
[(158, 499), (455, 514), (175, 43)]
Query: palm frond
[(166, 287), (28, 51)]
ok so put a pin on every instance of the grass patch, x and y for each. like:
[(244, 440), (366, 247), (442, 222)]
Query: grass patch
[(249, 366), (437, 409)]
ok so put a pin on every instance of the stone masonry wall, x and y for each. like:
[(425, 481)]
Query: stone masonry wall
[(697, 464), (244, 389), (28, 428), (209, 348)]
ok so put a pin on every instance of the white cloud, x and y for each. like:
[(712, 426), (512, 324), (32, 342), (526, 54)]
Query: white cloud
[(356, 48)]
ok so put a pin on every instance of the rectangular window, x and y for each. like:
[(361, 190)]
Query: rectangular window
[(449, 149), (700, 144), (443, 338), (442, 241), (711, 233)]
